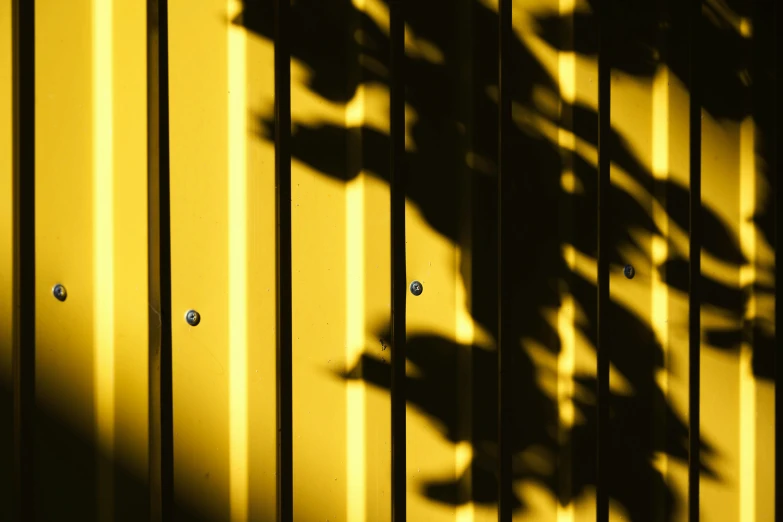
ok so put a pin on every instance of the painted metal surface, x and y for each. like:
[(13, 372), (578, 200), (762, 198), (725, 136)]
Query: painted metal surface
[(95, 429), (6, 261), (90, 435)]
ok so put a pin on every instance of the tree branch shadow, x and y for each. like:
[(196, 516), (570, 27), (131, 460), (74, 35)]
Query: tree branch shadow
[(449, 86)]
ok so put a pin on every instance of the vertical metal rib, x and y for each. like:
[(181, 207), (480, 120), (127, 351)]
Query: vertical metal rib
[(778, 188), (24, 255), (161, 437), (398, 269), (285, 449), (694, 296), (505, 246), (604, 250)]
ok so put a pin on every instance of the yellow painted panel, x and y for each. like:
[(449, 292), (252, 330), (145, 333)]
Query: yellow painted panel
[(737, 398), (319, 331), (127, 372), (6, 261), (92, 365), (720, 369), (377, 296), (91, 449), (223, 265), (340, 292), (650, 350), (368, 297), (432, 352), (576, 76), (737, 392), (669, 304), (441, 447), (555, 280), (341, 280), (199, 125)]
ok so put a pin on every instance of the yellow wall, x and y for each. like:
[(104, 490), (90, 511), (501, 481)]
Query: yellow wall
[(91, 236), (92, 232)]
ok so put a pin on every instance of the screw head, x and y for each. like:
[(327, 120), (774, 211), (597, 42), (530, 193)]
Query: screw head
[(59, 292), (629, 271), (192, 317), (416, 288)]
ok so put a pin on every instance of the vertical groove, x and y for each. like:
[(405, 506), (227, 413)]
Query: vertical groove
[(159, 251), (776, 187), (694, 299), (23, 13), (285, 456), (398, 269), (604, 247), (505, 245)]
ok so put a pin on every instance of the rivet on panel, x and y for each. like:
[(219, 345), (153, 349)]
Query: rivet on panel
[(629, 271), (416, 288), (192, 317), (59, 292)]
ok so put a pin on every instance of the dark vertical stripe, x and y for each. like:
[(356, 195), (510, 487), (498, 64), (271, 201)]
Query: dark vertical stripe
[(694, 296), (161, 436), (603, 457), (285, 448), (24, 255), (505, 245), (398, 272), (778, 188)]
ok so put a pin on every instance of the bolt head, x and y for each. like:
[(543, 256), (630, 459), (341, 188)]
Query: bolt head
[(416, 288), (629, 271), (59, 292), (192, 317)]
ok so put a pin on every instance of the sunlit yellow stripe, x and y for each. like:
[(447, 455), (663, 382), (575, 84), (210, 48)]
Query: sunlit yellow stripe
[(566, 141), (355, 328), (103, 249), (567, 74), (355, 110), (660, 248), (237, 273), (660, 130), (580, 263), (465, 336), (566, 361), (6, 194), (747, 277), (464, 456)]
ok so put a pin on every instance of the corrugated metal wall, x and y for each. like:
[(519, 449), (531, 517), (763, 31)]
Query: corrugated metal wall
[(145, 164)]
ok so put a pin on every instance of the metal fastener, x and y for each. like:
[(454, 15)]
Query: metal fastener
[(629, 271), (59, 292), (193, 318), (416, 288)]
